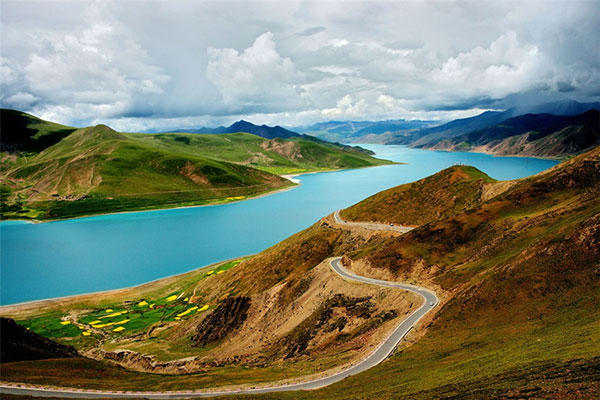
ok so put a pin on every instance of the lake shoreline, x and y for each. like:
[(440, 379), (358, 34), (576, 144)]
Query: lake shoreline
[(215, 203), (104, 253), (26, 305), (289, 177)]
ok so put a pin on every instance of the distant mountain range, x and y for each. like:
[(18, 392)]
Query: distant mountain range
[(264, 131), (361, 131), (541, 135), (429, 136), (540, 131), (548, 130), (543, 130)]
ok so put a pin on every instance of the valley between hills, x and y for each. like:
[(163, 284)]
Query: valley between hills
[(513, 263)]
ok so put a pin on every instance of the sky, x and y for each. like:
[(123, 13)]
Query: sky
[(160, 65)]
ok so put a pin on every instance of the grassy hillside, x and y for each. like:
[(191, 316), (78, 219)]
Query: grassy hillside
[(452, 190), (50, 171), (96, 170), (515, 266), (279, 156), (523, 271)]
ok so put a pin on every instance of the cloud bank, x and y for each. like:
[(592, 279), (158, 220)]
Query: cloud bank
[(181, 64)]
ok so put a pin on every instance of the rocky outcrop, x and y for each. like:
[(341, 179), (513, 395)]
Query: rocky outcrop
[(227, 317), (325, 319), (148, 363)]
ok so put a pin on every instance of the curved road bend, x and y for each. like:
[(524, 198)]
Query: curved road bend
[(371, 225), (380, 354)]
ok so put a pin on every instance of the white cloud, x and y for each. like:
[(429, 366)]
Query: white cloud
[(335, 70), (86, 62), (389, 103), (338, 42), (383, 106), (346, 107), (504, 68), (8, 75), (256, 76), (97, 67), (92, 71)]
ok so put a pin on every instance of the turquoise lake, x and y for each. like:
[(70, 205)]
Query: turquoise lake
[(90, 254)]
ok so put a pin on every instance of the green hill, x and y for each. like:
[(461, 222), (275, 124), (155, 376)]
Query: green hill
[(279, 156), (50, 171)]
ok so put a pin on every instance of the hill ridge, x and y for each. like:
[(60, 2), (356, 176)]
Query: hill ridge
[(264, 131)]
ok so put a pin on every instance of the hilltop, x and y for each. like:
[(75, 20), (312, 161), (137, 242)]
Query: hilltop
[(450, 191), (50, 171), (26, 133), (514, 264), (263, 131)]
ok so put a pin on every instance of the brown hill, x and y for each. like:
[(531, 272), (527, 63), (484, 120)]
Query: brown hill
[(523, 271), (446, 193), (20, 344)]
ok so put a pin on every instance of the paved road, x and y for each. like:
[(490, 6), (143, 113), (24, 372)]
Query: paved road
[(430, 300), (371, 225)]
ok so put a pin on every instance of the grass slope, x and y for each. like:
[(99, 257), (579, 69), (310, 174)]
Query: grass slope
[(452, 190), (279, 156), (98, 170)]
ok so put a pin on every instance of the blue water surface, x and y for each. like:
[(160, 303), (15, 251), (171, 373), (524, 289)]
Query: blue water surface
[(90, 254)]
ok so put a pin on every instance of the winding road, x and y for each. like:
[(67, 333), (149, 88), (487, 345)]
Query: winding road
[(371, 225), (384, 350)]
